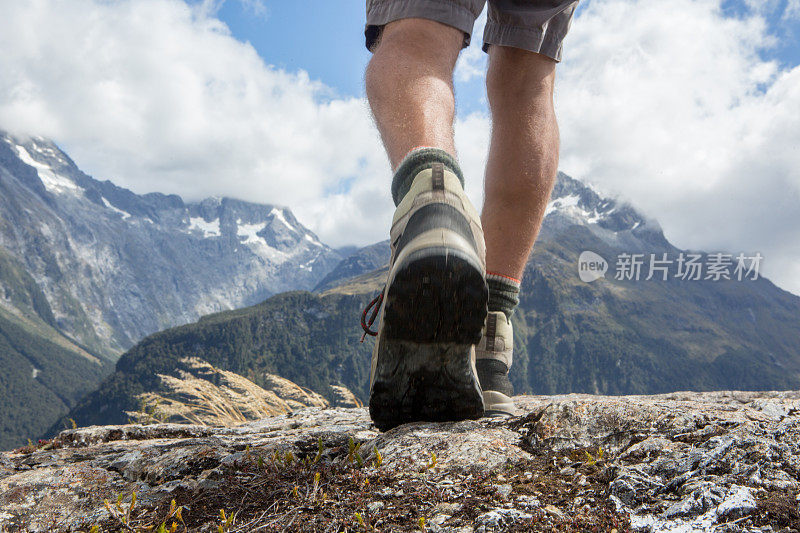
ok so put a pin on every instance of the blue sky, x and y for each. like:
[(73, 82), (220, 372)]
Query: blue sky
[(325, 38)]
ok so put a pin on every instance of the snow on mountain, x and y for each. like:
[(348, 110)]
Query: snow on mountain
[(51, 180), (116, 266), (208, 229), (125, 215), (616, 222)]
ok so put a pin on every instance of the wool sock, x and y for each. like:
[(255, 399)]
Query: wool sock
[(503, 293), (415, 162)]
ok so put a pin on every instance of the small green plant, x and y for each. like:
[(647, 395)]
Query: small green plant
[(378, 458), (422, 524), (130, 507), (95, 529), (315, 486), (360, 520), (353, 452), (73, 423), (175, 511), (162, 528), (319, 450), (592, 460), (226, 521), (433, 462), (118, 513)]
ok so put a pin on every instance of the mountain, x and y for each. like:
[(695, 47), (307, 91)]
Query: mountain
[(606, 337), (356, 263), (88, 268), (308, 339), (44, 373), (116, 266)]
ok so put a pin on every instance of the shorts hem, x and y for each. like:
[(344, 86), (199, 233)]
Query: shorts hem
[(442, 11), (532, 40)]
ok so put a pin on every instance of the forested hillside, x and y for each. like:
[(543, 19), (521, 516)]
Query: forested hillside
[(44, 373)]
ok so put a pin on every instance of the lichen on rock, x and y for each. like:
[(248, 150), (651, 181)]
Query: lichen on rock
[(723, 461)]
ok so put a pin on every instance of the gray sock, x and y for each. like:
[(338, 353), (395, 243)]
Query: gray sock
[(503, 293), (415, 162)]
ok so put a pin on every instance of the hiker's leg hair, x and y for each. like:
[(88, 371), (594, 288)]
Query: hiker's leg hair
[(409, 84), (523, 155)]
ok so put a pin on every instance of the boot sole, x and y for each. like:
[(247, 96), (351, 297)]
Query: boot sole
[(438, 295), (434, 311), (424, 382)]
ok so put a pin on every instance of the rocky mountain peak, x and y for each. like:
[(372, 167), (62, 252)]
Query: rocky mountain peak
[(116, 266), (575, 202), (52, 166)]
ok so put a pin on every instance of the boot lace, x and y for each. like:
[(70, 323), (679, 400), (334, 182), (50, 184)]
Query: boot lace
[(366, 324)]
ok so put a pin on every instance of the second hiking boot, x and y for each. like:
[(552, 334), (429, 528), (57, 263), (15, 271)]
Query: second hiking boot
[(434, 305), (494, 355)]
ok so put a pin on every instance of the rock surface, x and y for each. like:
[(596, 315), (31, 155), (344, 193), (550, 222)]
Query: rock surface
[(721, 461)]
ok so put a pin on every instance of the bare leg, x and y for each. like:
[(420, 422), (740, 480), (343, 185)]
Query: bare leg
[(523, 155), (409, 84), (434, 303)]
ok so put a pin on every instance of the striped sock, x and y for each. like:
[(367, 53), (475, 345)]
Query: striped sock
[(503, 293)]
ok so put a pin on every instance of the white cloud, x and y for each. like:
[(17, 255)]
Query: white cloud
[(672, 107), (667, 104), (763, 6), (792, 10), (472, 61), (210, 8), (158, 96)]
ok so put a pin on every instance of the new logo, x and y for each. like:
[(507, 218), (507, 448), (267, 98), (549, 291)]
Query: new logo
[(591, 266)]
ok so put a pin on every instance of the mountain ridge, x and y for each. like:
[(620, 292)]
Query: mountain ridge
[(94, 265), (611, 336), (103, 254), (87, 269)]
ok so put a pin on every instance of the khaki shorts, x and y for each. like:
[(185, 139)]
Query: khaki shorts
[(536, 25)]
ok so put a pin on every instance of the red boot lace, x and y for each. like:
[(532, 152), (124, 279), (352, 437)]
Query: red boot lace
[(365, 323)]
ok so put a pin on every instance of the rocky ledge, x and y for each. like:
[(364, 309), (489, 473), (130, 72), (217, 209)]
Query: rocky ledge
[(722, 461)]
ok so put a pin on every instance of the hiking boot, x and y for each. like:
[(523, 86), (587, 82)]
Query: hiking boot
[(434, 307), (494, 355)]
